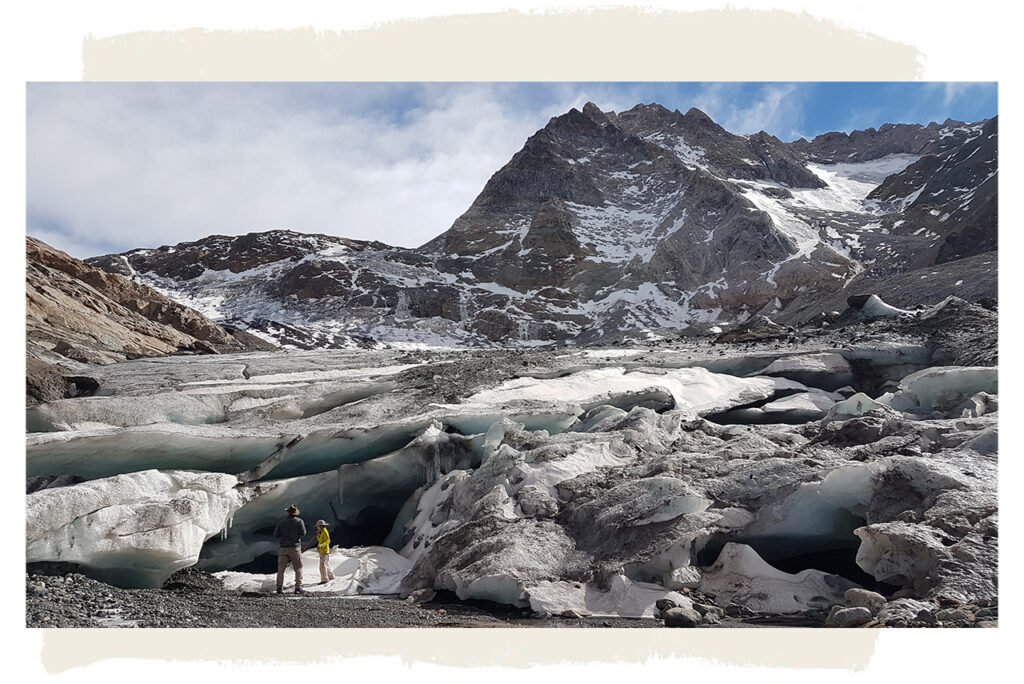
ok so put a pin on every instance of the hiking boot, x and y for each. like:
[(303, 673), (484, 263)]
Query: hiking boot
[(300, 590), (280, 590)]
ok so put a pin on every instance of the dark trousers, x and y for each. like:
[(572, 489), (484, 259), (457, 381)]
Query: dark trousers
[(286, 555)]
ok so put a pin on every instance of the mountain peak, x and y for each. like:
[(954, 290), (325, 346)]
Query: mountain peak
[(590, 119), (593, 111), (647, 218), (698, 115)]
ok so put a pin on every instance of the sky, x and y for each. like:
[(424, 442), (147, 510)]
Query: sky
[(118, 166)]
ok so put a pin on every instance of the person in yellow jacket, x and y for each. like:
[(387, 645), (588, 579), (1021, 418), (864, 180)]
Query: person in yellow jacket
[(323, 545)]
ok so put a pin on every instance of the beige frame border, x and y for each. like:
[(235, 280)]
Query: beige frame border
[(650, 45)]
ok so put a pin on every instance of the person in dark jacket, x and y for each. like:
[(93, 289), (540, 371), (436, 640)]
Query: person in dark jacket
[(289, 533)]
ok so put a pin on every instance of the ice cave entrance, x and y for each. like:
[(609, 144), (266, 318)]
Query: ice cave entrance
[(834, 552)]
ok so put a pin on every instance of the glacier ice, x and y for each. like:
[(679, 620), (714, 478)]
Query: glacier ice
[(854, 406), (802, 406), (695, 390), (622, 598), (125, 412), (898, 552), (548, 472), (977, 405), (740, 576), (824, 370), (132, 530), (944, 388), (874, 307), (105, 452), (302, 407), (591, 483), (100, 452), (352, 495), (357, 571)]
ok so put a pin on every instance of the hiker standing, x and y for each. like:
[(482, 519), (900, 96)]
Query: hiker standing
[(289, 533), (323, 545)]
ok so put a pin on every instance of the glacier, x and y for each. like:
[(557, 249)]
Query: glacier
[(591, 483)]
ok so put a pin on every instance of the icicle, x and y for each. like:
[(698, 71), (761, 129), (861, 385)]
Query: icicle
[(523, 328), (228, 524), (435, 464)]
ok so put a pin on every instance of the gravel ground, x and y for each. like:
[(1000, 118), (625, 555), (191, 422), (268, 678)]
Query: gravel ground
[(194, 599)]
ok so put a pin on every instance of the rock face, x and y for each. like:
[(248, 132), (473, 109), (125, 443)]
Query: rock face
[(613, 224), (638, 191), (952, 196), (79, 314), (870, 144)]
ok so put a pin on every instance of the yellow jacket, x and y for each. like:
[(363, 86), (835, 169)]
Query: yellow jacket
[(323, 541)]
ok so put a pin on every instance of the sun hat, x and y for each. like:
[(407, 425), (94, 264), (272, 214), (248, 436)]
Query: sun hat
[(321, 523), (293, 509)]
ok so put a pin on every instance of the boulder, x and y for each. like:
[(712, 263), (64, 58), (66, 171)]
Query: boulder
[(848, 617), (862, 598), (904, 611), (958, 617), (661, 605), (976, 406), (681, 617), (43, 382), (757, 329)]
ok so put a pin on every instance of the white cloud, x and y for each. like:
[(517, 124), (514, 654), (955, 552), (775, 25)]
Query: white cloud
[(122, 167), (777, 109), (953, 91), (117, 166)]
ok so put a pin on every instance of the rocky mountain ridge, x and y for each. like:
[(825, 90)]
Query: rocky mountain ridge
[(78, 314), (646, 222)]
